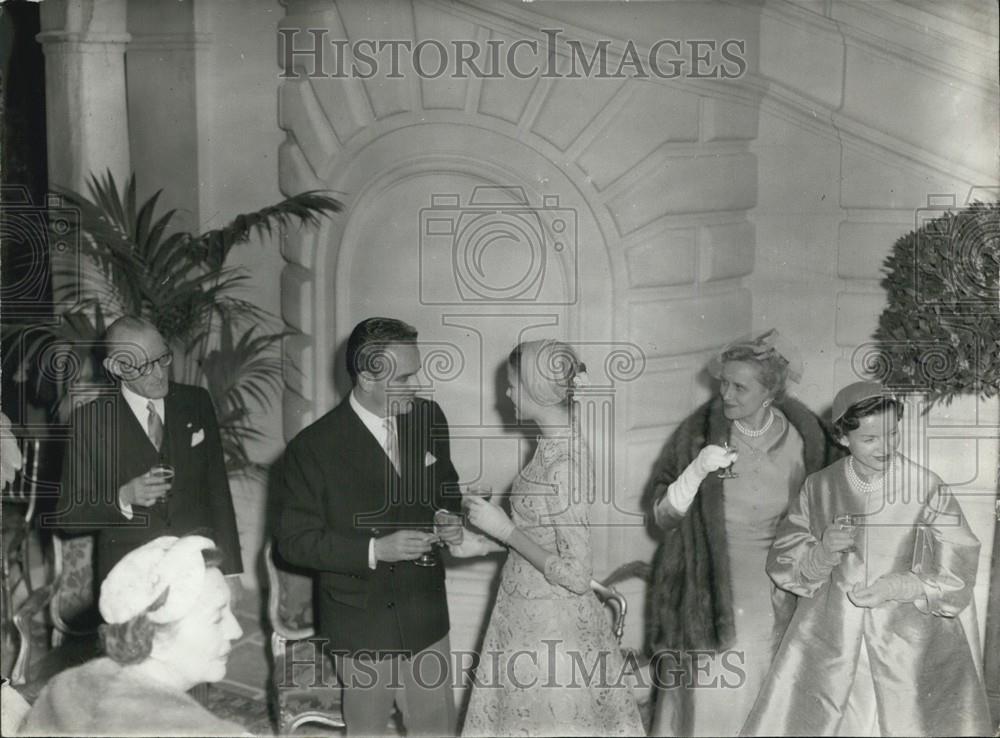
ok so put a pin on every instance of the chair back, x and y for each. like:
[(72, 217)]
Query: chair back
[(72, 607), (616, 604), (303, 680), (25, 487), (289, 597)]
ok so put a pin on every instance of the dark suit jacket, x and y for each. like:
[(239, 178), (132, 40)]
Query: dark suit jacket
[(338, 491), (109, 447)]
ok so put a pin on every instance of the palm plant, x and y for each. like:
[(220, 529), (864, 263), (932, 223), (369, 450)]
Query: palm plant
[(178, 280)]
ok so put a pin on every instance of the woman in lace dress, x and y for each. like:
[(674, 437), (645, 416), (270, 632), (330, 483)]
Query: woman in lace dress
[(550, 664)]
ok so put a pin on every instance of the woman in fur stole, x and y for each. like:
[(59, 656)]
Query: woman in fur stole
[(716, 616)]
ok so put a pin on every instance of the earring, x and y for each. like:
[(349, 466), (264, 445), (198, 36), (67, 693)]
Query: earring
[(766, 403)]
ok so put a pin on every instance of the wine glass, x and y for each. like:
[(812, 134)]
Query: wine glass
[(848, 522), (727, 472), (479, 490), (430, 558)]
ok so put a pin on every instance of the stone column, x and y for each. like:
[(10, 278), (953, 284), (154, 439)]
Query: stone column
[(163, 110), (84, 43)]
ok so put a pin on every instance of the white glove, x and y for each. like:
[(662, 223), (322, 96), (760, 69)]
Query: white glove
[(489, 518), (681, 493), (474, 544), (903, 587), (712, 458)]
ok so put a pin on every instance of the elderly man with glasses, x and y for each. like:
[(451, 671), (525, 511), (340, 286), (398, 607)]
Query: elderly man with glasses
[(146, 460)]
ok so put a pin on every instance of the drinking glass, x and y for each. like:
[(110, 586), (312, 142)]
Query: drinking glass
[(162, 473), (727, 472), (479, 490), (430, 558), (848, 522)]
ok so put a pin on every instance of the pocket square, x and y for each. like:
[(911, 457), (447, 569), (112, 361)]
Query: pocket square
[(197, 437), (429, 458)]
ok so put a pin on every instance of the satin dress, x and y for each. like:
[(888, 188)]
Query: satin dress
[(550, 664), (897, 669)]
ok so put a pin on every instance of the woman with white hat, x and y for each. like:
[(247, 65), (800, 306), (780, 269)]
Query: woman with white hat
[(715, 615), (168, 627)]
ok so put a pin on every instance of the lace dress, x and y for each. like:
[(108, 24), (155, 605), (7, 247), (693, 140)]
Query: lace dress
[(549, 662)]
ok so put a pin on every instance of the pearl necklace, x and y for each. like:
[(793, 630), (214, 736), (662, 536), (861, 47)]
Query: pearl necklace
[(873, 484), (750, 433)]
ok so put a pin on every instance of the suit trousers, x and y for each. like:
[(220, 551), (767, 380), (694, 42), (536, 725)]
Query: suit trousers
[(419, 685)]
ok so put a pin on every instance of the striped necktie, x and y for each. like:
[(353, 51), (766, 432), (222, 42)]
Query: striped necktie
[(154, 426), (391, 441)]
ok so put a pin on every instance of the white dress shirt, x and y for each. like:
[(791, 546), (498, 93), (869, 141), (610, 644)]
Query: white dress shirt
[(139, 406), (377, 427)]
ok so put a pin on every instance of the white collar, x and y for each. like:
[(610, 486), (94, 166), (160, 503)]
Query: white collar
[(140, 405), (374, 423)]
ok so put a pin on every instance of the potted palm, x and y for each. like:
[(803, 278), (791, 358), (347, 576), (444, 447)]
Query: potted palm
[(136, 263)]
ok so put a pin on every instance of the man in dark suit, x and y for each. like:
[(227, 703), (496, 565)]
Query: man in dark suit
[(360, 489), (109, 484)]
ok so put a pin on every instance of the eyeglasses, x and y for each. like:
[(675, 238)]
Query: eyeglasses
[(142, 370)]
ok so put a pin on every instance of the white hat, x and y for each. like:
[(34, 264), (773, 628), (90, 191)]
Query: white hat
[(139, 579)]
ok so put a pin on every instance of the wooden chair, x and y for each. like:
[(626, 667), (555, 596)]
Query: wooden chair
[(23, 493), (304, 685), (616, 603), (617, 606), (20, 503), (68, 599)]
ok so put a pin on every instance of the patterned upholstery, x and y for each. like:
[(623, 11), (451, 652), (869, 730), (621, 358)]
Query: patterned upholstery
[(68, 598), (72, 608), (303, 682)]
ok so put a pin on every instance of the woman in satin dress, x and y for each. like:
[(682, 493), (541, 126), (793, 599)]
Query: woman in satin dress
[(876, 646), (550, 663)]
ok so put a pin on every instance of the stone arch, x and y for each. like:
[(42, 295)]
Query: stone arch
[(661, 172), (381, 164)]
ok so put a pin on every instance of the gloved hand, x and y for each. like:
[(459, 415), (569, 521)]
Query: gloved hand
[(680, 494), (821, 559), (904, 587), (489, 518), (835, 541), (712, 458)]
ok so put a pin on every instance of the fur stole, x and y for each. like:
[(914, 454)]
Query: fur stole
[(691, 604)]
